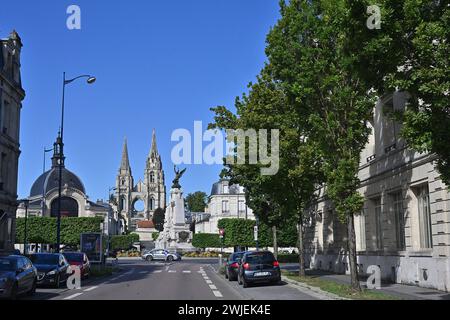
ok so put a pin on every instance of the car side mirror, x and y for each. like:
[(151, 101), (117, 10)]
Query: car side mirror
[(19, 271)]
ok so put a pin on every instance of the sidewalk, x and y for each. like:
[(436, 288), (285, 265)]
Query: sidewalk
[(399, 290)]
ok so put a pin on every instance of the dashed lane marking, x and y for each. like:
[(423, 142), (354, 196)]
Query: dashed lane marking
[(208, 281), (157, 271), (217, 294), (90, 289), (172, 271), (186, 271), (73, 296), (212, 287)]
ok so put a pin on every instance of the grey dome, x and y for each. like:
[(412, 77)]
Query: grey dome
[(49, 181)]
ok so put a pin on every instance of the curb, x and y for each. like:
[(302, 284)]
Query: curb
[(324, 294)]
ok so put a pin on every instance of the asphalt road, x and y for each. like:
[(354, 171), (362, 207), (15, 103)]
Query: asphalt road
[(190, 279)]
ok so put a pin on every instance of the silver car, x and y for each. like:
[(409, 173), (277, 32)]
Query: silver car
[(161, 255)]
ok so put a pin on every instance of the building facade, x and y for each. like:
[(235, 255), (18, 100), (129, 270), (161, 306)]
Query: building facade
[(11, 96), (404, 227), (151, 192), (43, 199), (225, 201)]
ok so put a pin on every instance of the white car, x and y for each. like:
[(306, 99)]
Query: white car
[(160, 254)]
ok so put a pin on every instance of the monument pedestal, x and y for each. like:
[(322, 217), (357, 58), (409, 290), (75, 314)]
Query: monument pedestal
[(176, 234)]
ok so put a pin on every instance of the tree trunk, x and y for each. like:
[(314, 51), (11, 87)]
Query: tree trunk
[(352, 254), (275, 242), (301, 253)]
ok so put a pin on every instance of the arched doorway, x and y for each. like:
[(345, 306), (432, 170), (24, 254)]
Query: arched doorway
[(69, 207)]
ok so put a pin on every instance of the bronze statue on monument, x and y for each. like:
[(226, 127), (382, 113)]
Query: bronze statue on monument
[(178, 175)]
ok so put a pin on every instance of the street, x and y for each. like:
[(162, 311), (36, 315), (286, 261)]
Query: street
[(190, 279)]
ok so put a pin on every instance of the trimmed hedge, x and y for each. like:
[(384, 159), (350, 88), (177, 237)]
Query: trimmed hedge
[(43, 229), (288, 258), (239, 232), (124, 242), (206, 240)]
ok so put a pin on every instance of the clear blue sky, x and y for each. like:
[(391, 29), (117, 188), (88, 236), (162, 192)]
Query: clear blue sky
[(159, 64)]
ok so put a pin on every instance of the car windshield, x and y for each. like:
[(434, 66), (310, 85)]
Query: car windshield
[(236, 256), (78, 257), (44, 259), (7, 264), (260, 258)]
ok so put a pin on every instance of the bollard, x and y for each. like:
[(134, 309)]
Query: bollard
[(220, 261)]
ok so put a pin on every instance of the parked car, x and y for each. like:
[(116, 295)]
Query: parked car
[(51, 269), (17, 276), (232, 266), (257, 267), (80, 260), (160, 254)]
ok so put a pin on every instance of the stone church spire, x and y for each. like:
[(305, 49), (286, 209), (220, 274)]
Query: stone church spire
[(125, 163), (154, 148)]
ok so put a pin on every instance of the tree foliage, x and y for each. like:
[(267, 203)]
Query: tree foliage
[(124, 242), (196, 202), (158, 219)]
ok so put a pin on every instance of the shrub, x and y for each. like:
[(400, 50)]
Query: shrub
[(124, 242), (206, 240)]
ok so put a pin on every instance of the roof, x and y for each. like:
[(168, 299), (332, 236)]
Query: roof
[(218, 190), (146, 224), (49, 181)]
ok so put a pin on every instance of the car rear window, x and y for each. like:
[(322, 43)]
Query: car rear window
[(44, 259), (74, 256), (236, 256), (260, 258)]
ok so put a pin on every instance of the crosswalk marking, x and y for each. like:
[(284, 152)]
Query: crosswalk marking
[(172, 271), (157, 271), (186, 271), (213, 287)]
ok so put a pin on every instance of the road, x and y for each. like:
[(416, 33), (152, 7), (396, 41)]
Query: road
[(190, 279)]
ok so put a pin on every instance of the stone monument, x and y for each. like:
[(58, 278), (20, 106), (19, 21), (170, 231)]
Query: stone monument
[(176, 234)]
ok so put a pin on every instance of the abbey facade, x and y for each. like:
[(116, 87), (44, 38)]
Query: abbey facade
[(150, 192)]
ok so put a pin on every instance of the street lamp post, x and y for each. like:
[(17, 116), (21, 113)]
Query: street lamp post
[(90, 80), (26, 203)]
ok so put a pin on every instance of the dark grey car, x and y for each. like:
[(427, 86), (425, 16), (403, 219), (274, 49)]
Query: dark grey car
[(51, 269), (257, 267), (17, 276)]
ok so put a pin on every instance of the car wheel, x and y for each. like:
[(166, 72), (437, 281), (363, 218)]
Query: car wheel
[(170, 258), (149, 258), (226, 274), (33, 289), (244, 283), (239, 279), (14, 291), (58, 282)]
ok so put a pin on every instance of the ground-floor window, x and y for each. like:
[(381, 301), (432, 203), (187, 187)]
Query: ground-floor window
[(423, 201), (399, 219)]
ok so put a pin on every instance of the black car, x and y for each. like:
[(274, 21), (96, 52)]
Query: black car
[(17, 276), (51, 268), (257, 267), (232, 266)]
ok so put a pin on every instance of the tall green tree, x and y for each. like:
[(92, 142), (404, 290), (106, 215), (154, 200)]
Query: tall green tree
[(158, 219), (277, 198), (196, 202)]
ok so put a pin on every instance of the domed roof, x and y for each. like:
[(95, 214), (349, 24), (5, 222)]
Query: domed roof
[(49, 181)]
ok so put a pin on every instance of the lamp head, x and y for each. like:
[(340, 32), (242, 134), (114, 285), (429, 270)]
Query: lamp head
[(91, 80)]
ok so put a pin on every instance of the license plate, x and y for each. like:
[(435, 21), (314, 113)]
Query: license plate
[(262, 274)]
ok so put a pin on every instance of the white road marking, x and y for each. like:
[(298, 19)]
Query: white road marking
[(172, 271), (208, 281), (217, 294), (186, 271), (157, 271), (143, 272), (213, 287), (90, 289), (73, 296)]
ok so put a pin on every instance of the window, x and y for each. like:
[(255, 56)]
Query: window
[(241, 206), (152, 177), (225, 207), (399, 219), (423, 201), (152, 204), (69, 207), (378, 223)]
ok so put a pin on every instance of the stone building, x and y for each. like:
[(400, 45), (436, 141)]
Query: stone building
[(404, 227), (43, 199), (150, 193), (11, 96), (225, 201)]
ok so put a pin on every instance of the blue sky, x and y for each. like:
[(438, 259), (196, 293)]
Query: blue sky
[(159, 64)]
